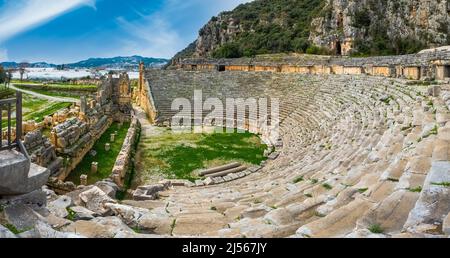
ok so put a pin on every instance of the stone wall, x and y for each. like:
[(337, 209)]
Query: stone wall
[(122, 165), (168, 85), (427, 65), (42, 152), (144, 97)]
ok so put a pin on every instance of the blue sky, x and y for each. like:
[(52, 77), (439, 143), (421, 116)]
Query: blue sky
[(64, 31)]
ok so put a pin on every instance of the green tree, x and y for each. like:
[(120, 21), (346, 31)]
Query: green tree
[(228, 50), (3, 75)]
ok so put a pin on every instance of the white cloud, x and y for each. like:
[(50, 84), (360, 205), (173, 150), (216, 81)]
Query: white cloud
[(157, 34), (3, 55), (21, 15), (153, 36)]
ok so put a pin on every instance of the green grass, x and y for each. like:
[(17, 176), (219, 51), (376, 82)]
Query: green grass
[(177, 155), (314, 181), (39, 115), (308, 195), (6, 92), (15, 230), (376, 229), (327, 186), (298, 179), (35, 108), (71, 215), (363, 190), (105, 159), (444, 184), (415, 189), (41, 111)]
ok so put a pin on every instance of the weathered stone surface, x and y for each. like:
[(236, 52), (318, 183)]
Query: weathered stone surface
[(129, 215), (21, 216), (42, 230), (60, 205), (94, 200), (158, 221), (35, 200), (82, 213), (391, 213), (364, 233), (434, 201), (101, 227), (198, 223), (148, 192), (5, 233), (255, 212), (446, 225), (109, 187), (208, 181)]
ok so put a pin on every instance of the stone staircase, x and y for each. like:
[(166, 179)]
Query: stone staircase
[(361, 157)]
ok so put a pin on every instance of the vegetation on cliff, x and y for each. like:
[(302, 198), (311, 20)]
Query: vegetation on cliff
[(270, 27), (358, 28)]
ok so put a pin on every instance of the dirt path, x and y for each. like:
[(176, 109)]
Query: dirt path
[(42, 96), (147, 128)]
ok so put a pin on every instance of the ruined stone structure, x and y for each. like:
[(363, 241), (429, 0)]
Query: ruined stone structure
[(360, 156), (123, 161), (422, 66), (144, 97), (362, 146), (42, 152), (74, 137)]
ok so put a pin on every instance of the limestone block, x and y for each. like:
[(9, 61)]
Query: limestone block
[(101, 227), (59, 206), (83, 180), (208, 181), (446, 225), (82, 213), (434, 91), (94, 167), (94, 200)]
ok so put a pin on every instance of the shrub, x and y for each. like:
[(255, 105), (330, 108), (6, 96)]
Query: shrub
[(228, 50), (376, 229)]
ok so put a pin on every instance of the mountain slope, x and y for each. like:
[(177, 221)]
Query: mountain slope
[(364, 27)]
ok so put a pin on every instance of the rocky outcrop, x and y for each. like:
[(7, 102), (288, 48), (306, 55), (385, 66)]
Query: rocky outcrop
[(347, 25), (369, 27)]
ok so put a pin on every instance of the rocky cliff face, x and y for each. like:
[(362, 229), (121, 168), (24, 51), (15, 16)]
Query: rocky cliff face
[(369, 26), (366, 27)]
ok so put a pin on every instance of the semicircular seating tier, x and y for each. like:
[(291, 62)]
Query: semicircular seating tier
[(360, 155)]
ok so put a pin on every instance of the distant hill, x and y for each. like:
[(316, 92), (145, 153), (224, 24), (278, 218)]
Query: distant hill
[(130, 62)]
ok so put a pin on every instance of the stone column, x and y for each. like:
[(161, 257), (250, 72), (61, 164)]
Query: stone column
[(94, 167), (83, 180), (83, 104), (113, 137), (107, 146)]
